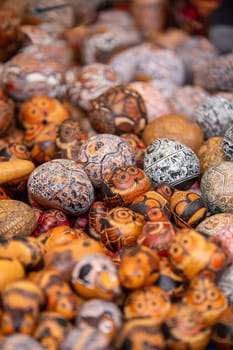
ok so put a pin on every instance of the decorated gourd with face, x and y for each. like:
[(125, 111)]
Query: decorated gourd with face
[(41, 117), (51, 329), (139, 267), (95, 275), (124, 185), (204, 295), (150, 301), (191, 253), (121, 228), (119, 109), (140, 334), (184, 328), (102, 315), (59, 294), (22, 301)]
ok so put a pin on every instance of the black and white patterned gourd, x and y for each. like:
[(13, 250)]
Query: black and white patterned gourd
[(216, 74), (217, 187), (214, 114), (227, 143), (170, 161)]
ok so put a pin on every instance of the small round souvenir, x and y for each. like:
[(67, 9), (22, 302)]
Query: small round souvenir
[(225, 283), (51, 329), (172, 162), (119, 109), (40, 117), (61, 184), (185, 99), (62, 258), (146, 302), (101, 314), (138, 146), (188, 208), (156, 104), (60, 235), (205, 297), (17, 218), (104, 39), (125, 62), (195, 51), (146, 202), (96, 212), (139, 267), (69, 139), (214, 114), (221, 227), (184, 328), (141, 333), (216, 75), (192, 253), (24, 76), (216, 187), (92, 80), (58, 51), (103, 153), (95, 276), (19, 340), (210, 153), (59, 296), (21, 303), (170, 281), (50, 218), (177, 127), (161, 64), (121, 228), (157, 232), (227, 143), (222, 335), (123, 185)]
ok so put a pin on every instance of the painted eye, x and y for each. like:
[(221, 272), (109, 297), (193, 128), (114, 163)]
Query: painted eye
[(186, 241), (123, 177), (139, 305), (198, 298), (43, 103), (33, 111), (212, 295), (176, 250)]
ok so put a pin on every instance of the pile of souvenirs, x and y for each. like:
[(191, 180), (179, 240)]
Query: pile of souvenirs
[(116, 168)]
